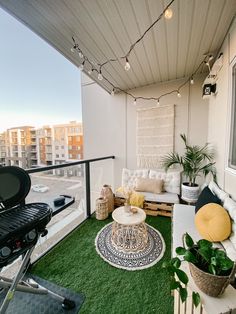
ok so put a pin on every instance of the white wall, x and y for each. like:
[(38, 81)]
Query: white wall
[(110, 121), (219, 115)]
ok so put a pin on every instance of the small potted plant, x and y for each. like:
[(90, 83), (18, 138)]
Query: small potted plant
[(196, 160), (210, 268)]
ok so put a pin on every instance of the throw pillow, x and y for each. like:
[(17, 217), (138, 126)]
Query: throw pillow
[(213, 222), (149, 185), (137, 199), (206, 197)]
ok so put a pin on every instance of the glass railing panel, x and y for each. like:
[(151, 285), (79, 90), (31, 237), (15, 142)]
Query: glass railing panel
[(49, 185), (101, 172)]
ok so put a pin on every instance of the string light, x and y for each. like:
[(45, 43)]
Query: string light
[(100, 76), (168, 14), (81, 66), (98, 67), (127, 65), (113, 92)]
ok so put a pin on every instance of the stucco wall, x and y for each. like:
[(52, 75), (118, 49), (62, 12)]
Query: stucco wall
[(220, 117), (110, 121)]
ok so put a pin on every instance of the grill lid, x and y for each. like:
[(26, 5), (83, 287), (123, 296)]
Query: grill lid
[(14, 186)]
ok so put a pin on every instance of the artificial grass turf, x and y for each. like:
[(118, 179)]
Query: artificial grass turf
[(75, 264)]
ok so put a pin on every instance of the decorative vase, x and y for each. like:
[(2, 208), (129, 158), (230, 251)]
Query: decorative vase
[(101, 208), (210, 284), (127, 207), (107, 193)]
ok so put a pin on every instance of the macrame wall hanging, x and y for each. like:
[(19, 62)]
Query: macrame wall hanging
[(155, 135)]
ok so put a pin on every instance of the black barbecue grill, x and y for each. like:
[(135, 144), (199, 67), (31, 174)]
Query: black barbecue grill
[(20, 227)]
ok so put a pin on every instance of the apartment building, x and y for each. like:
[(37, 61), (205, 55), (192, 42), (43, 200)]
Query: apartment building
[(3, 151), (28, 147), (16, 147)]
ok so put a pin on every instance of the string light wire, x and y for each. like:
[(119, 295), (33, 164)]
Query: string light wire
[(93, 66)]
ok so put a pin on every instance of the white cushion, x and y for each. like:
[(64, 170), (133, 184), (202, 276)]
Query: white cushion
[(230, 249), (171, 180), (160, 198), (217, 191), (230, 205), (129, 176)]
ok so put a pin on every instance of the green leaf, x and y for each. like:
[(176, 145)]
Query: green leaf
[(220, 254), (205, 253), (212, 269), (180, 250), (174, 284), (188, 240), (176, 262), (181, 275), (183, 294), (204, 244), (196, 298), (189, 257), (213, 261), (226, 264)]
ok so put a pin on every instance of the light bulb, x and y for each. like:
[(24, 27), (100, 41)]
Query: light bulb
[(81, 54), (158, 102), (211, 57), (178, 94), (135, 102), (100, 77), (72, 49), (168, 14), (112, 92), (81, 66), (90, 71), (127, 65), (191, 81)]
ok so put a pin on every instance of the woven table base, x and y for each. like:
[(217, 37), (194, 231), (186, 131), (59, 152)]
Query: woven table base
[(149, 256)]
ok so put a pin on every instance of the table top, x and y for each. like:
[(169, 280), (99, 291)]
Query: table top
[(120, 216)]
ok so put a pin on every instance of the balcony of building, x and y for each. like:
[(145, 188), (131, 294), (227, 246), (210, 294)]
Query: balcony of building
[(169, 63)]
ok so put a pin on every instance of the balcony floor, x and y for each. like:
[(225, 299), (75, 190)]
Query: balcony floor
[(75, 264)]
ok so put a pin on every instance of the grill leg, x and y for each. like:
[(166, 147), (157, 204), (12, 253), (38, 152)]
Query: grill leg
[(16, 279)]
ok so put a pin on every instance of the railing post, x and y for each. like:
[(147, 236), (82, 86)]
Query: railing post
[(87, 180)]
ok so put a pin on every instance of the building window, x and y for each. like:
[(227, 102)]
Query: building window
[(62, 155), (70, 155), (78, 147), (78, 156), (69, 147), (232, 152), (62, 147), (57, 155), (57, 147)]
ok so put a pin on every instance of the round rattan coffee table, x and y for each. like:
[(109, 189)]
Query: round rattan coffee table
[(129, 231)]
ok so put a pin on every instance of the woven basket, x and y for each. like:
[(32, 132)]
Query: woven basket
[(101, 208), (210, 284)]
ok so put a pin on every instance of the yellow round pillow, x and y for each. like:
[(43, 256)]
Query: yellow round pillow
[(213, 222)]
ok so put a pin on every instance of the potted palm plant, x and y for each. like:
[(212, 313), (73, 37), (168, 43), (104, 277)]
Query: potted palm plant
[(196, 160)]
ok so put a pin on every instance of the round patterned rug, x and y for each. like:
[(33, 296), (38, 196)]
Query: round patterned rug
[(149, 256)]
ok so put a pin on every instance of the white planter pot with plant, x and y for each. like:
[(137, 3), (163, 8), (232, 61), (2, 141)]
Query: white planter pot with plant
[(196, 160)]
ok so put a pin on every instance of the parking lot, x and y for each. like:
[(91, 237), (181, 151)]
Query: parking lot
[(57, 185)]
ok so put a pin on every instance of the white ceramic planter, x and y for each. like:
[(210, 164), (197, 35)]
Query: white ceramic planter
[(189, 193)]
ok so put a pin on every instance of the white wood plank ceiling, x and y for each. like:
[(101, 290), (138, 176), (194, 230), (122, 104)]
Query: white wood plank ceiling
[(106, 29)]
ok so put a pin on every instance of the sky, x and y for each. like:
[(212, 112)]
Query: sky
[(38, 86)]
